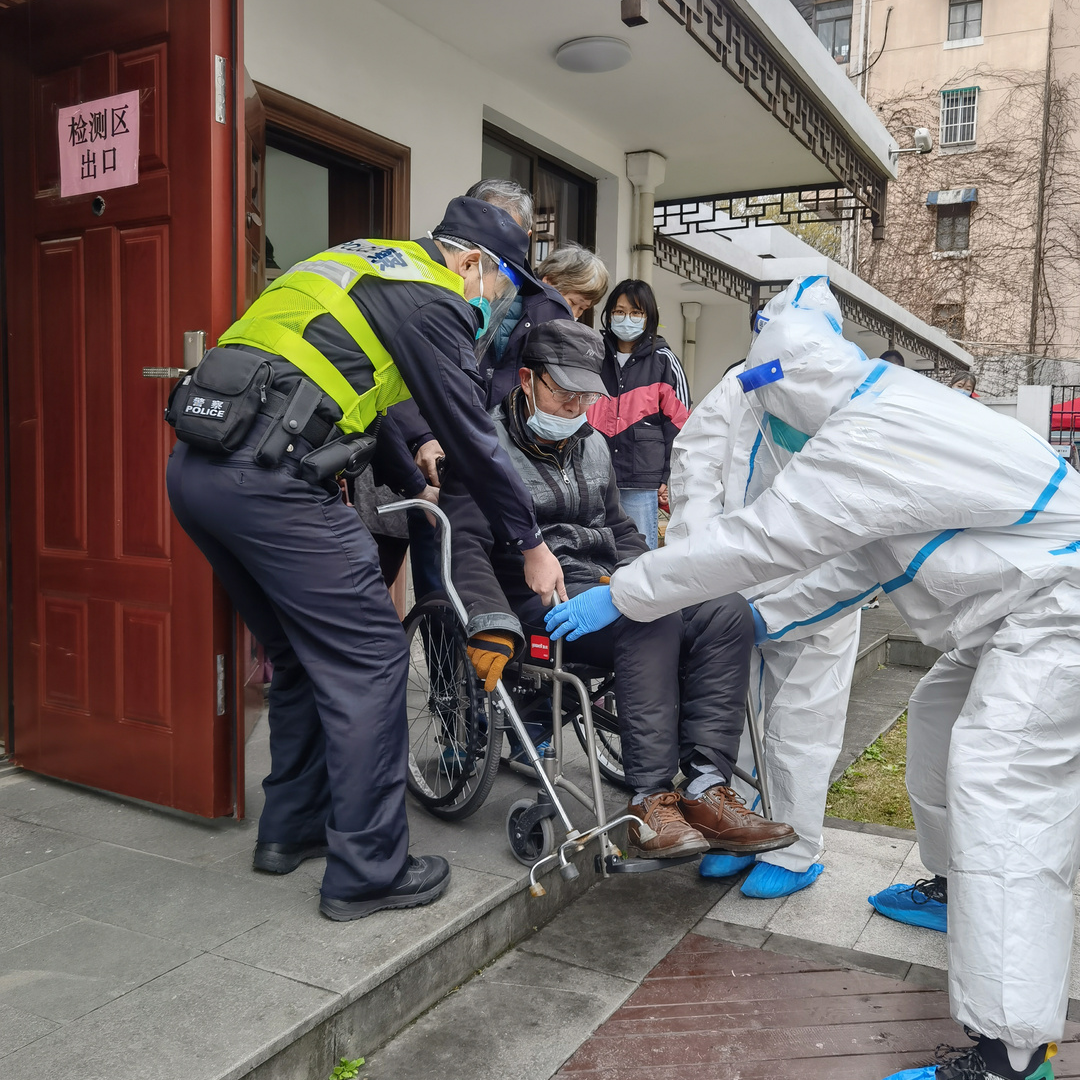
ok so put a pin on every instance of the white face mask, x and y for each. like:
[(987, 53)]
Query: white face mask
[(626, 327), (547, 426)]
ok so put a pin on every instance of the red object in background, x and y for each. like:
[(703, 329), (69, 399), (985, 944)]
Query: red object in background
[(539, 647), (1065, 416)]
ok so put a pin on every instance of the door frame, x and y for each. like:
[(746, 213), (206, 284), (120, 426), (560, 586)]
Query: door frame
[(295, 117)]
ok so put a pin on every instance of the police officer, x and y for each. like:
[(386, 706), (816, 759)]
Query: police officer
[(297, 386)]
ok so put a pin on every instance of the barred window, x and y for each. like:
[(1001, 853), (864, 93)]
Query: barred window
[(965, 19), (958, 115), (953, 223)]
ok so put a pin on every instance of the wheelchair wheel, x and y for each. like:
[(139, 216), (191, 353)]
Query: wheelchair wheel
[(453, 747), (608, 739), (529, 845)]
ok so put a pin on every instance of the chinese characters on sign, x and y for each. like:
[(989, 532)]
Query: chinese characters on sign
[(99, 144)]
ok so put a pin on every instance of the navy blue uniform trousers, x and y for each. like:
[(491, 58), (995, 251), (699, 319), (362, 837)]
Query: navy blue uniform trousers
[(303, 572)]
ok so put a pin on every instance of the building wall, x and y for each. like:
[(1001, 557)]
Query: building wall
[(359, 60), (1019, 283)]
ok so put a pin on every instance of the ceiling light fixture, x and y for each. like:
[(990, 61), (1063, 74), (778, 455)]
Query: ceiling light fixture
[(591, 55)]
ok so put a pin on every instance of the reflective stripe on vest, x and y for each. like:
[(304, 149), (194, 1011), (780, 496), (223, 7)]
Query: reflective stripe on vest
[(320, 286)]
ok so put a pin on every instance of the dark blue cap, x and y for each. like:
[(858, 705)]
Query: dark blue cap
[(491, 227)]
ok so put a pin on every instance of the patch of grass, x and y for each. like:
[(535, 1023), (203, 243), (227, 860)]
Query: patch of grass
[(872, 788)]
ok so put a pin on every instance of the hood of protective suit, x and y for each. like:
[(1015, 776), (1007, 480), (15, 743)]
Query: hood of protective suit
[(802, 328)]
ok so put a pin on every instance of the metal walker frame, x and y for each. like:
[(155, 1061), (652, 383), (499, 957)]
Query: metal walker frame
[(548, 769)]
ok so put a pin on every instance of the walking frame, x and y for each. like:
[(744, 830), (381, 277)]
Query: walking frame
[(548, 769)]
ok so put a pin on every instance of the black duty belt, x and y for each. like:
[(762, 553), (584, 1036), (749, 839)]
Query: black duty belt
[(315, 431)]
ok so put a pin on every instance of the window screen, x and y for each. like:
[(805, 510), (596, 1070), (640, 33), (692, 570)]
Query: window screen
[(953, 226), (965, 19)]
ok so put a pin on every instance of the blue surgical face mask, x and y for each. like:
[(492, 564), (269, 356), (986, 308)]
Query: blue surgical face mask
[(548, 426), (626, 327), (961, 390)]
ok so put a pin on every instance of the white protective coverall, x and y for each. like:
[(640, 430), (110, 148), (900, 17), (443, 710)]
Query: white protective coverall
[(971, 523), (718, 464)]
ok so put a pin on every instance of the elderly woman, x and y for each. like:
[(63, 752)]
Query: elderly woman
[(579, 274)]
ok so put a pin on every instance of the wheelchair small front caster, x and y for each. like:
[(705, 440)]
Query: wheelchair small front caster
[(530, 830)]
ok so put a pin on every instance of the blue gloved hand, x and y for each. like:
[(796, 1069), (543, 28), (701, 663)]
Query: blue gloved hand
[(582, 614), (761, 631)]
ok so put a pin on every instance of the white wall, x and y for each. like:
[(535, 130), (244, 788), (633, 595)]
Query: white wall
[(358, 60)]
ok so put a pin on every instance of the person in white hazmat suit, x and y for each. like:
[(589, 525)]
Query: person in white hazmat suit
[(720, 462), (971, 524)]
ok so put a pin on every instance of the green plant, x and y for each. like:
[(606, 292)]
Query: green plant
[(347, 1070)]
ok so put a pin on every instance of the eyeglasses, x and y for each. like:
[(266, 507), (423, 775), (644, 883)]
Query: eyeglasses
[(634, 314), (564, 397)]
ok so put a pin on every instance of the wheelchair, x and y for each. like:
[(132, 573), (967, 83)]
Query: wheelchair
[(456, 733)]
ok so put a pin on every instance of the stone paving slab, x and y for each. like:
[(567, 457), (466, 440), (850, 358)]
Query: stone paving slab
[(140, 943)]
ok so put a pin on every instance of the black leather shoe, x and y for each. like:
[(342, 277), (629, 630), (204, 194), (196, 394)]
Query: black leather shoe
[(285, 858), (424, 880)]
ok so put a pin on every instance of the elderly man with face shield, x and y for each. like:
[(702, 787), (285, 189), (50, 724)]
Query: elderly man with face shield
[(681, 680), (971, 523), (288, 400)]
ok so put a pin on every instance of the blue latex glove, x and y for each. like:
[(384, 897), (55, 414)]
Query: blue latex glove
[(584, 613), (761, 631)]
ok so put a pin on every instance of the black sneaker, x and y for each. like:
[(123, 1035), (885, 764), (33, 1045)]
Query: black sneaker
[(988, 1060), (285, 858), (423, 880)]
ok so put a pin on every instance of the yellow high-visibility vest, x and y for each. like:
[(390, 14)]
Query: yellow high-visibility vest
[(320, 286)]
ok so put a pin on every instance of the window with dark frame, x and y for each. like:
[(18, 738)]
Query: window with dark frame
[(959, 115), (953, 226), (565, 199), (832, 24), (965, 19), (950, 319)]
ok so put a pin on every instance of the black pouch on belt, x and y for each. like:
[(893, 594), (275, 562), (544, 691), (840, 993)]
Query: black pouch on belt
[(290, 419), (214, 406), (350, 455)]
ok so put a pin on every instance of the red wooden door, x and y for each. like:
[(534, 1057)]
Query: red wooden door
[(122, 640)]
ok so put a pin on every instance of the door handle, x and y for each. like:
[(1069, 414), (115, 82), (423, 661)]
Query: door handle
[(194, 347)]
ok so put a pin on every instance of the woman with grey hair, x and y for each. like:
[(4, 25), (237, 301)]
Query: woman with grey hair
[(578, 273)]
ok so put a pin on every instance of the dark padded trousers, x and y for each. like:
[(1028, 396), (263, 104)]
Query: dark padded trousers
[(303, 572), (680, 684)]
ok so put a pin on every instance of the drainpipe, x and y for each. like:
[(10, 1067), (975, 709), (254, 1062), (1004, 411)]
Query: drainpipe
[(691, 312), (645, 169)]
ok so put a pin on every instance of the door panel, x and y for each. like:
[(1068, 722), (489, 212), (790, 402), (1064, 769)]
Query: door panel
[(119, 628)]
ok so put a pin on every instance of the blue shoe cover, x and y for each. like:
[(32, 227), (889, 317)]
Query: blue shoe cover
[(717, 866), (897, 902), (927, 1072), (767, 882)]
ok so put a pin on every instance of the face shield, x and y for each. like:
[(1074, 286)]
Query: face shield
[(778, 440), (499, 284)]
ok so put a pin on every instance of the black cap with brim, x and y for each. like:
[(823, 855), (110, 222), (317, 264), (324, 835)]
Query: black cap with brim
[(571, 352), (492, 228)]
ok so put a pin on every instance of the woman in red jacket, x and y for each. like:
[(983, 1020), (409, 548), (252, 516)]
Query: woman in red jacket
[(649, 401)]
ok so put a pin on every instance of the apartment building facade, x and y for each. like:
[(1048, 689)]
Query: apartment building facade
[(982, 231)]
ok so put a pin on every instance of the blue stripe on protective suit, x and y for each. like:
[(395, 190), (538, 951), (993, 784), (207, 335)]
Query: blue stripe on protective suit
[(1047, 493), (806, 283), (753, 458), (1069, 549), (920, 557), (879, 369), (827, 613)]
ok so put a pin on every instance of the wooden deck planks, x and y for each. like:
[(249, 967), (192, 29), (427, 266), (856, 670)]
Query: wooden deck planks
[(714, 1011)]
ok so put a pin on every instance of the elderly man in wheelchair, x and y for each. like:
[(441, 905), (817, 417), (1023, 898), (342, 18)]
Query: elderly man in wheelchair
[(681, 681)]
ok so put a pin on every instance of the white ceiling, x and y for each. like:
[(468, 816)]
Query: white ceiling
[(672, 97)]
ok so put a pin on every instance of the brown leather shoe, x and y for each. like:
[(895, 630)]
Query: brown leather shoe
[(663, 832), (721, 816)]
